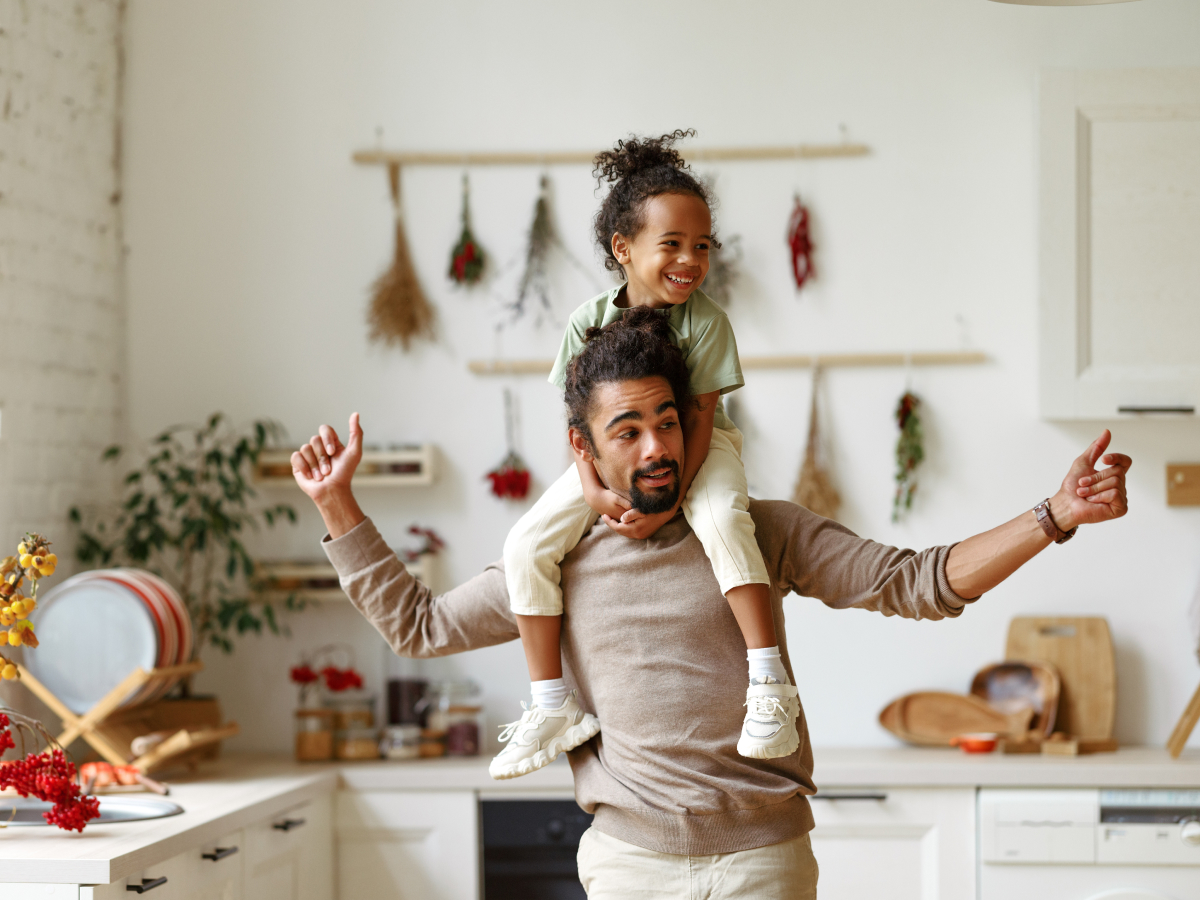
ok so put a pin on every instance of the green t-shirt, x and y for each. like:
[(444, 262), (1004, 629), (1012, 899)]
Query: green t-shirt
[(699, 328)]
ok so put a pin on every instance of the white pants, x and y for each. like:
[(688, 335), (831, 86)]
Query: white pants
[(610, 869), (716, 507)]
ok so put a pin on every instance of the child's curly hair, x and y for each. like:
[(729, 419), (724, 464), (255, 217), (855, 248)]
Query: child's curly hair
[(640, 168)]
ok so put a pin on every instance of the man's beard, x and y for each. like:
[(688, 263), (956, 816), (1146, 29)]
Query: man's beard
[(659, 499)]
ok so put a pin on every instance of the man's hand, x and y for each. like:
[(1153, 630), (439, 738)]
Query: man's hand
[(323, 468), (1088, 496)]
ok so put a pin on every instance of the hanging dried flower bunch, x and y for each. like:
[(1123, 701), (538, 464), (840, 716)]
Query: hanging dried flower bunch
[(910, 451), (467, 257), (814, 489), (724, 269), (534, 281), (800, 243), (399, 310), (510, 479)]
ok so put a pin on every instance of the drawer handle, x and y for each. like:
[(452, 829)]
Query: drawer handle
[(288, 824), (1157, 410), (148, 884), (219, 853), (878, 797)]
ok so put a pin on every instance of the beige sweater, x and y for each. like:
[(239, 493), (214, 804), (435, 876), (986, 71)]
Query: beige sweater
[(656, 654)]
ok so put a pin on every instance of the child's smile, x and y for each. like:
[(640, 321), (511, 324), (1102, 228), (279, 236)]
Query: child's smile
[(668, 258)]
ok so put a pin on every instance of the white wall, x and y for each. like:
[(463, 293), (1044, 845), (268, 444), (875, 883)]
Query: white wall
[(253, 238), (61, 316)]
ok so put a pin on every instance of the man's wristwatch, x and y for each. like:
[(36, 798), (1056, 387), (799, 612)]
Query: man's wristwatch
[(1042, 511)]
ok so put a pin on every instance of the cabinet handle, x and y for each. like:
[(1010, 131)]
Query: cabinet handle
[(219, 853), (288, 824), (1160, 410), (148, 884), (878, 797)]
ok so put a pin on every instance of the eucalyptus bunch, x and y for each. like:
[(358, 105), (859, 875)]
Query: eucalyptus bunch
[(184, 513)]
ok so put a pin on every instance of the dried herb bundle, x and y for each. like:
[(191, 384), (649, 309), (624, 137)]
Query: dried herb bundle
[(910, 451), (467, 257), (724, 269), (814, 489), (399, 310), (534, 280)]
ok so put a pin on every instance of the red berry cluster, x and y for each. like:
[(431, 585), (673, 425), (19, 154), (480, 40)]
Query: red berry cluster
[(49, 776), (303, 674), (510, 478), (6, 738), (341, 679)]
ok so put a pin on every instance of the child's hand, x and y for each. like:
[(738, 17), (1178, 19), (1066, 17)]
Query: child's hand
[(639, 526), (607, 503)]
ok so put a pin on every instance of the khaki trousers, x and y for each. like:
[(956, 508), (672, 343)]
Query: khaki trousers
[(611, 869)]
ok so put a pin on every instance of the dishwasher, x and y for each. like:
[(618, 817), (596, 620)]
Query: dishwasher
[(1129, 844)]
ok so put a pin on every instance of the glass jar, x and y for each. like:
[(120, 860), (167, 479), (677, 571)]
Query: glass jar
[(401, 742), (314, 734), (455, 716), (356, 743), (352, 710)]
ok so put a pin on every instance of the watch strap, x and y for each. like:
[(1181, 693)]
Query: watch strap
[(1042, 511)]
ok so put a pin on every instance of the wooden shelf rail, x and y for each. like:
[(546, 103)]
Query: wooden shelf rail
[(380, 157), (822, 360)]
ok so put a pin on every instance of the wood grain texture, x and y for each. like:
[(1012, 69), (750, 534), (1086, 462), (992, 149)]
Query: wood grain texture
[(1081, 649), (934, 718), (1185, 726), (1183, 484)]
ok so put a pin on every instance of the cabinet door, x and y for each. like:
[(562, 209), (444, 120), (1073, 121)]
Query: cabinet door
[(290, 856), (420, 845), (1120, 217), (215, 870), (906, 844)]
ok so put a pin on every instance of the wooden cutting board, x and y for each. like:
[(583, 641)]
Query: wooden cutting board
[(934, 718), (1081, 649)]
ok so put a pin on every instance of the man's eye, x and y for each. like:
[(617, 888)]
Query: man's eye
[(628, 434), (667, 425)]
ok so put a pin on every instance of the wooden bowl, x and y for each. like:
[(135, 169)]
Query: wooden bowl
[(1014, 685)]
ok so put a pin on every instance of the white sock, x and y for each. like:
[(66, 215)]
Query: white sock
[(548, 694), (766, 661)]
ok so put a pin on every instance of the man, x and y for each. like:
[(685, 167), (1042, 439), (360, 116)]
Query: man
[(653, 648)]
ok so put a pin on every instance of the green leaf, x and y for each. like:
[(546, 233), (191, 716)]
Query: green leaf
[(110, 453)]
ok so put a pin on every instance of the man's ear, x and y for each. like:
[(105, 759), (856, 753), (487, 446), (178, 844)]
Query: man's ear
[(620, 249), (580, 445)]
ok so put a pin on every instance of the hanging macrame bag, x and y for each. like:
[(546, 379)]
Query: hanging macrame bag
[(814, 489)]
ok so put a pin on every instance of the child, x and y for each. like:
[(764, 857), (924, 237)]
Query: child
[(655, 226)]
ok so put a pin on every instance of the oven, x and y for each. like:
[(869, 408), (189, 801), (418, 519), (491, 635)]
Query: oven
[(1129, 844), (529, 848)]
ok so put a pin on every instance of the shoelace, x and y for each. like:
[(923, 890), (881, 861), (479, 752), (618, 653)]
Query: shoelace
[(766, 708), (507, 731)]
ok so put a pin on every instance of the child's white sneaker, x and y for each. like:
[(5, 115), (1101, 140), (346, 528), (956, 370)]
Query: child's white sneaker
[(536, 739), (769, 729)]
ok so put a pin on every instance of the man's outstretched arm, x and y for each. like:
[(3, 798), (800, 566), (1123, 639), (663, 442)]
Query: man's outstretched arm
[(408, 615), (1087, 496)]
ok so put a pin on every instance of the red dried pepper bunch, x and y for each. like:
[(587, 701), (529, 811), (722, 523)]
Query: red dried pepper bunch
[(800, 243), (48, 776), (341, 679), (511, 478)]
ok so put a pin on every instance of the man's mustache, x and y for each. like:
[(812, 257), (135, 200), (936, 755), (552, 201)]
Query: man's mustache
[(657, 468)]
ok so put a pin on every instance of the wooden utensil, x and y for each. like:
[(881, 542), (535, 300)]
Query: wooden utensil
[(1080, 648), (1184, 727), (935, 718), (1012, 685)]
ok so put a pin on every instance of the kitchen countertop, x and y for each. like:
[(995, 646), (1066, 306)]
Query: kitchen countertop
[(239, 790)]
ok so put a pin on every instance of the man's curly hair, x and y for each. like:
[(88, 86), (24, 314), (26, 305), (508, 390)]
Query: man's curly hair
[(638, 345)]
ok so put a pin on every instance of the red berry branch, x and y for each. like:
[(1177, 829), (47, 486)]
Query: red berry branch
[(48, 776)]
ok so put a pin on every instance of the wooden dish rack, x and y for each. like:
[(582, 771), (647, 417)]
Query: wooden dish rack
[(110, 728)]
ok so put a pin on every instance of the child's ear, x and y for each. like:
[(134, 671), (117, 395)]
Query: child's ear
[(620, 249)]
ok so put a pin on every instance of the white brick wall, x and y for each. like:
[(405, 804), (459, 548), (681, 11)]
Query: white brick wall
[(61, 314)]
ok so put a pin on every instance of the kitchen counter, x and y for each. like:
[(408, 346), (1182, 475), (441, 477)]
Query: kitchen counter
[(237, 790), (224, 796)]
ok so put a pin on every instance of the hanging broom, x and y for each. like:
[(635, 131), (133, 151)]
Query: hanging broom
[(814, 489), (399, 311)]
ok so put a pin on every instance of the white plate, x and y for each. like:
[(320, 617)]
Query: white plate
[(92, 633)]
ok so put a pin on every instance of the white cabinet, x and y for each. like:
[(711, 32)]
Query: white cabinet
[(409, 845), (1119, 223), (903, 844), (290, 856)]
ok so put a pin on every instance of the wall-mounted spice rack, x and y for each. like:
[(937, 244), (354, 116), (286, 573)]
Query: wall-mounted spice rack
[(318, 580), (413, 466)]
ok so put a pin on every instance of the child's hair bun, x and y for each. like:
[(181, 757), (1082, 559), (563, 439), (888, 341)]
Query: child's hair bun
[(637, 154)]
